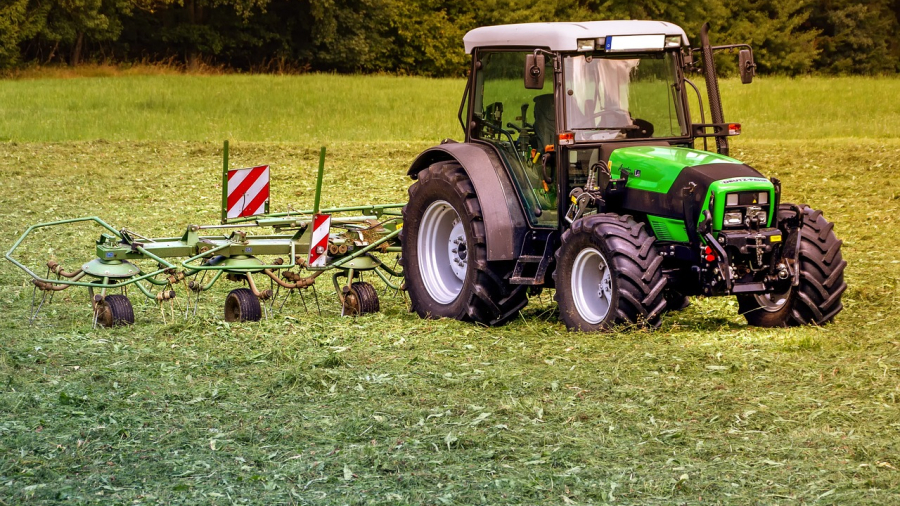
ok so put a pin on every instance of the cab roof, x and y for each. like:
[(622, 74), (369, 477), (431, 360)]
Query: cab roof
[(563, 36)]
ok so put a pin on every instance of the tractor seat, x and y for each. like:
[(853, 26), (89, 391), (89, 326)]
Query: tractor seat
[(544, 120)]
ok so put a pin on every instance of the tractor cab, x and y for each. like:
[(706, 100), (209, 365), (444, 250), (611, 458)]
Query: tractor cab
[(549, 96)]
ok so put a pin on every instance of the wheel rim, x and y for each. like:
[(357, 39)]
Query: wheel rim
[(351, 303), (442, 252), (591, 285), (232, 309), (104, 314), (772, 302)]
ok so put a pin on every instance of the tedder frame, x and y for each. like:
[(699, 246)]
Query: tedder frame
[(303, 248)]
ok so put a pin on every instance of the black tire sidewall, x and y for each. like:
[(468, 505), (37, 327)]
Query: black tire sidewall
[(366, 297), (119, 309)]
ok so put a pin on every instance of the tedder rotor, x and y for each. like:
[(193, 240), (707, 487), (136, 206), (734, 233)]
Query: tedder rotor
[(345, 241)]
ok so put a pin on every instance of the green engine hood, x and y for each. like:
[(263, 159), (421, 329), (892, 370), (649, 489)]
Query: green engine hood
[(657, 175), (654, 168)]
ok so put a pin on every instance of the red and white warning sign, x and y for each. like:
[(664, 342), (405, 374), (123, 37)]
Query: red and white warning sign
[(318, 246), (248, 191)]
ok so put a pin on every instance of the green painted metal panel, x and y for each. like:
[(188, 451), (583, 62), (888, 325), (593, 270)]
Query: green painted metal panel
[(667, 229), (659, 165), (740, 184)]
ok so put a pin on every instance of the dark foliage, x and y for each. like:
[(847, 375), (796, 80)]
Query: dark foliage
[(420, 36)]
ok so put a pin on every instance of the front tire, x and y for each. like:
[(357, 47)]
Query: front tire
[(445, 252), (608, 273), (817, 299)]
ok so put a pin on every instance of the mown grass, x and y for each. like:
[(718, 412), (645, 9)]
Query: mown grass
[(391, 409)]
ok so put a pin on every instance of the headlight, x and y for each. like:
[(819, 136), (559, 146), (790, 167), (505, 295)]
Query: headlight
[(763, 198), (586, 44), (733, 218), (731, 199), (755, 212)]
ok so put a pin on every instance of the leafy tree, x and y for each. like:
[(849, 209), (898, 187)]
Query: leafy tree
[(19, 21), (190, 27), (777, 31), (71, 23), (425, 36), (427, 39), (856, 36)]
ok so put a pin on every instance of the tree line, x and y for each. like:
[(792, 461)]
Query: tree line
[(421, 37)]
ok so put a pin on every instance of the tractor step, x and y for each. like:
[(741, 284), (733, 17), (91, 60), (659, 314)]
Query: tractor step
[(519, 275), (748, 288)]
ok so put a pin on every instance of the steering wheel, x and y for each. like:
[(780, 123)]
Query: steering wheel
[(641, 129), (496, 128), (598, 118)]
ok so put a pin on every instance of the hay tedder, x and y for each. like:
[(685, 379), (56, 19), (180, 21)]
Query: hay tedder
[(344, 241)]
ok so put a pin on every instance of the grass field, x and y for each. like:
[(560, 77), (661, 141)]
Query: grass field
[(328, 108), (391, 409)]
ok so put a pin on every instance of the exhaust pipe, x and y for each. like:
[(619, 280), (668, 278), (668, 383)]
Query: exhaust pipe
[(712, 87)]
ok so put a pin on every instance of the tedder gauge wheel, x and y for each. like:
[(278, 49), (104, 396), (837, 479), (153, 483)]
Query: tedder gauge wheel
[(817, 299), (115, 310), (241, 305), (445, 260), (608, 273), (361, 299)]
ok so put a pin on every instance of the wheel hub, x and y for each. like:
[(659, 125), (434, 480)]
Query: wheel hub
[(351, 302), (772, 302), (458, 250), (442, 252), (591, 285)]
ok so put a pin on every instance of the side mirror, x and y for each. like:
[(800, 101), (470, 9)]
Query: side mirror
[(534, 72), (746, 65)]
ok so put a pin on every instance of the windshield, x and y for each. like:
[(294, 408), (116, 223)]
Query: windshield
[(632, 96)]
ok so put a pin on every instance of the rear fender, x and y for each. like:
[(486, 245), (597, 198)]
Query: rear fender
[(504, 221)]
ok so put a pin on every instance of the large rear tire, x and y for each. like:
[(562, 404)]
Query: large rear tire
[(817, 299), (445, 253), (609, 274)]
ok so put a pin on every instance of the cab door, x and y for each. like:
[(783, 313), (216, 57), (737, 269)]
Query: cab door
[(521, 124)]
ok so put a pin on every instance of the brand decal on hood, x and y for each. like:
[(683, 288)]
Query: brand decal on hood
[(744, 180)]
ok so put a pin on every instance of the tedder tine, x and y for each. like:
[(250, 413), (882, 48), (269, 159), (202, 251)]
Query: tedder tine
[(34, 312), (316, 295)]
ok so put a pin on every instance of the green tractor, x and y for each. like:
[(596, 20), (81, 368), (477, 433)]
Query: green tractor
[(579, 172)]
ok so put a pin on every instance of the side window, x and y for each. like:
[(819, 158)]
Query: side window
[(520, 123)]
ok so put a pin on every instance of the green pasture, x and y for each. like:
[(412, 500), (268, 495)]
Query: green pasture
[(327, 108), (305, 408)]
